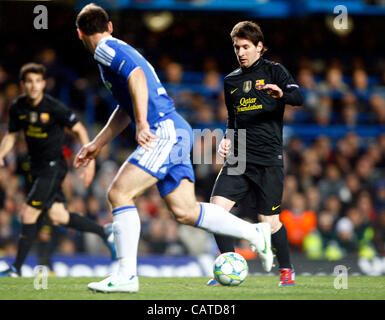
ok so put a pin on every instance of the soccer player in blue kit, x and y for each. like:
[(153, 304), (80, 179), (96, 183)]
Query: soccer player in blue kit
[(162, 157)]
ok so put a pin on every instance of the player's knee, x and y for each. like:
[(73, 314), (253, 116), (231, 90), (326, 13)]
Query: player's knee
[(274, 222), (57, 218), (58, 215), (275, 225), (186, 215), (116, 197), (29, 214)]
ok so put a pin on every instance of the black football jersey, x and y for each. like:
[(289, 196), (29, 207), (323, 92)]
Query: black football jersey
[(251, 108), (43, 127)]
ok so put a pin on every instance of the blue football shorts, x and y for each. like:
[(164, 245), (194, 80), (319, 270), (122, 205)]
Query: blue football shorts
[(169, 160)]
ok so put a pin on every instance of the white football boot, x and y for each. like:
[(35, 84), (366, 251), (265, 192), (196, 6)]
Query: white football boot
[(262, 245), (116, 283)]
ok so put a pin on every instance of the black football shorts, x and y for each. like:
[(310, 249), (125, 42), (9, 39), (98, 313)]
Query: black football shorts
[(46, 187), (263, 185)]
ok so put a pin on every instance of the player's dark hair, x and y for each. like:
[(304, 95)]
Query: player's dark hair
[(31, 67), (92, 19), (249, 30)]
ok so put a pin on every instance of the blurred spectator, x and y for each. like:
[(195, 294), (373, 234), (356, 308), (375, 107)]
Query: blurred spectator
[(346, 155), (96, 212), (379, 195), (9, 248), (290, 187), (334, 83), (331, 183), (156, 236), (355, 235), (212, 81), (7, 231), (323, 147), (313, 199), (305, 79), (365, 171), (333, 205), (66, 246), (174, 73), (377, 109), (349, 115), (364, 203), (323, 113), (379, 233), (174, 246), (298, 221), (345, 236), (310, 169), (360, 83), (294, 150), (221, 113), (321, 243), (373, 151)]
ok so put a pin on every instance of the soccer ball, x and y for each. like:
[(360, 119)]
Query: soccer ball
[(230, 269)]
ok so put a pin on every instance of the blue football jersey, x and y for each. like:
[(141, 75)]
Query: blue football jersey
[(116, 60)]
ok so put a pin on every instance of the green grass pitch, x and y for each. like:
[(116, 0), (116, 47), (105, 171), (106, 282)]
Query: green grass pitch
[(254, 288)]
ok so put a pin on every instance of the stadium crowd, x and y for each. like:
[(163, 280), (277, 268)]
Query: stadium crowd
[(334, 194)]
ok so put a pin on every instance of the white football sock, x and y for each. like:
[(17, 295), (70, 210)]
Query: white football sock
[(126, 228), (215, 219)]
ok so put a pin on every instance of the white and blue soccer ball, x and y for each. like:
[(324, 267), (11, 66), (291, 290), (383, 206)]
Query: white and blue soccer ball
[(230, 269)]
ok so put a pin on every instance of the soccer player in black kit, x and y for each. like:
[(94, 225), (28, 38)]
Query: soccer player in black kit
[(256, 94), (42, 119)]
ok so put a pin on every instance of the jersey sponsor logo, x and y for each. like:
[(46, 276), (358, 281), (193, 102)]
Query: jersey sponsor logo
[(35, 132), (259, 84), (23, 116), (275, 208), (249, 108), (247, 86), (33, 117), (44, 117), (36, 203), (232, 91), (247, 104)]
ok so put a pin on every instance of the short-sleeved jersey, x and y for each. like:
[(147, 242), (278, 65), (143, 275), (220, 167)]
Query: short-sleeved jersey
[(43, 127), (116, 60), (251, 108)]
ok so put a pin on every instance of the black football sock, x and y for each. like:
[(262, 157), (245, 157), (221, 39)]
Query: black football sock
[(224, 243), (44, 246), (84, 224), (26, 239), (281, 244)]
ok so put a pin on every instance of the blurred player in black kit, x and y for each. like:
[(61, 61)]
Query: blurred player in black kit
[(42, 119), (256, 94)]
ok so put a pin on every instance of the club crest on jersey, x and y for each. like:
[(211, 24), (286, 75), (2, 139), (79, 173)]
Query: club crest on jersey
[(247, 86), (44, 117), (259, 84), (32, 117)]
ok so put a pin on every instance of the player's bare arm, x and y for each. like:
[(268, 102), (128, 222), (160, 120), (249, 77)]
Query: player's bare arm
[(88, 172), (118, 121), (224, 147), (137, 85), (6, 145)]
